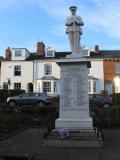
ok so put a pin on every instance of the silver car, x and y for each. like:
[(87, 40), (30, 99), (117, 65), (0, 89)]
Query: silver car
[(30, 98)]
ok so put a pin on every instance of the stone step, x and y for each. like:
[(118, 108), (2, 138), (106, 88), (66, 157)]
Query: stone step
[(74, 137), (80, 134), (72, 143)]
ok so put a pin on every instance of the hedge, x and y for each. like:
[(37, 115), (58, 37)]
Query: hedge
[(107, 117), (116, 99), (4, 94)]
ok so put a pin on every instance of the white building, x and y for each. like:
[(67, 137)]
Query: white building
[(46, 76), (39, 71), (96, 72), (46, 72), (96, 76), (17, 70)]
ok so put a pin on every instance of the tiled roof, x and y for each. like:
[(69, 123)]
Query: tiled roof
[(61, 54), (105, 54), (35, 56)]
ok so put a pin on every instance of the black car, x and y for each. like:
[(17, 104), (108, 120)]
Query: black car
[(100, 100), (29, 98)]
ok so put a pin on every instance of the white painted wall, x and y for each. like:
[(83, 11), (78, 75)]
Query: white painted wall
[(7, 71), (28, 71), (98, 72), (25, 54), (39, 73), (39, 68)]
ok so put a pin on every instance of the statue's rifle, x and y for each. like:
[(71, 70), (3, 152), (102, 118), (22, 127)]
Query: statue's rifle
[(74, 36)]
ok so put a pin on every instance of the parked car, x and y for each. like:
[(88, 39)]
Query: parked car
[(100, 100), (29, 98)]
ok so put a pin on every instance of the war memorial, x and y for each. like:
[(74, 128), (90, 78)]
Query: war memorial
[(74, 127)]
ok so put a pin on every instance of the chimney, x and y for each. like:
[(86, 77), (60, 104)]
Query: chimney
[(96, 48), (40, 48), (8, 54)]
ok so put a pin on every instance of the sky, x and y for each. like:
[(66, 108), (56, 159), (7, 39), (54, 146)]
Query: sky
[(25, 22)]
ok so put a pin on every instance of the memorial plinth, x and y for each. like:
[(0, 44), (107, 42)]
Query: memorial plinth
[(74, 101), (74, 127)]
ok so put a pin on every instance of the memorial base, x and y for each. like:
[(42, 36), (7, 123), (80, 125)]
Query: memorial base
[(73, 123), (74, 100), (77, 137)]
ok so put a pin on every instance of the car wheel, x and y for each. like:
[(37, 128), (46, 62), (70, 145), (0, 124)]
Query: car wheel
[(12, 103), (40, 103), (106, 105)]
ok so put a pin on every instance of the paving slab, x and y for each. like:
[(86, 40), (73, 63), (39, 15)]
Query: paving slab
[(49, 153), (110, 150), (25, 144), (28, 143)]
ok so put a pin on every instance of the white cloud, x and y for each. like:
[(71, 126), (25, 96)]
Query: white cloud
[(98, 15), (57, 8), (104, 16)]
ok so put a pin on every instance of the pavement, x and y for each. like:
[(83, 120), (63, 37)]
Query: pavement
[(28, 144), (23, 144)]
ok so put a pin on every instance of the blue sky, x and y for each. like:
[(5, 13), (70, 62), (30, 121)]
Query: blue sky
[(24, 22)]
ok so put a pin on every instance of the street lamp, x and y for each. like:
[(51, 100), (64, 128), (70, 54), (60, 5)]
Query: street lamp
[(117, 84), (9, 83)]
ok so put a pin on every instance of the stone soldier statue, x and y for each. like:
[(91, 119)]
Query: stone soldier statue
[(74, 30)]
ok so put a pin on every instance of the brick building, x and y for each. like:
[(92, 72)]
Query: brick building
[(111, 65)]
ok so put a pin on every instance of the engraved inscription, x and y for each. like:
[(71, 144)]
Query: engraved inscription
[(74, 89), (75, 109), (81, 89), (66, 87)]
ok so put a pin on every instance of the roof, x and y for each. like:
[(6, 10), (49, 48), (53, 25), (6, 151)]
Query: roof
[(35, 56), (49, 78), (105, 54), (20, 48)]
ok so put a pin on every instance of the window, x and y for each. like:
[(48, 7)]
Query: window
[(17, 70), (17, 85), (89, 87), (108, 86), (94, 86), (55, 87), (18, 53), (50, 54), (117, 67), (98, 96), (25, 95), (48, 69), (46, 87), (117, 84), (85, 52)]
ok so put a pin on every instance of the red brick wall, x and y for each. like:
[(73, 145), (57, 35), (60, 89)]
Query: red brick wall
[(109, 71)]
